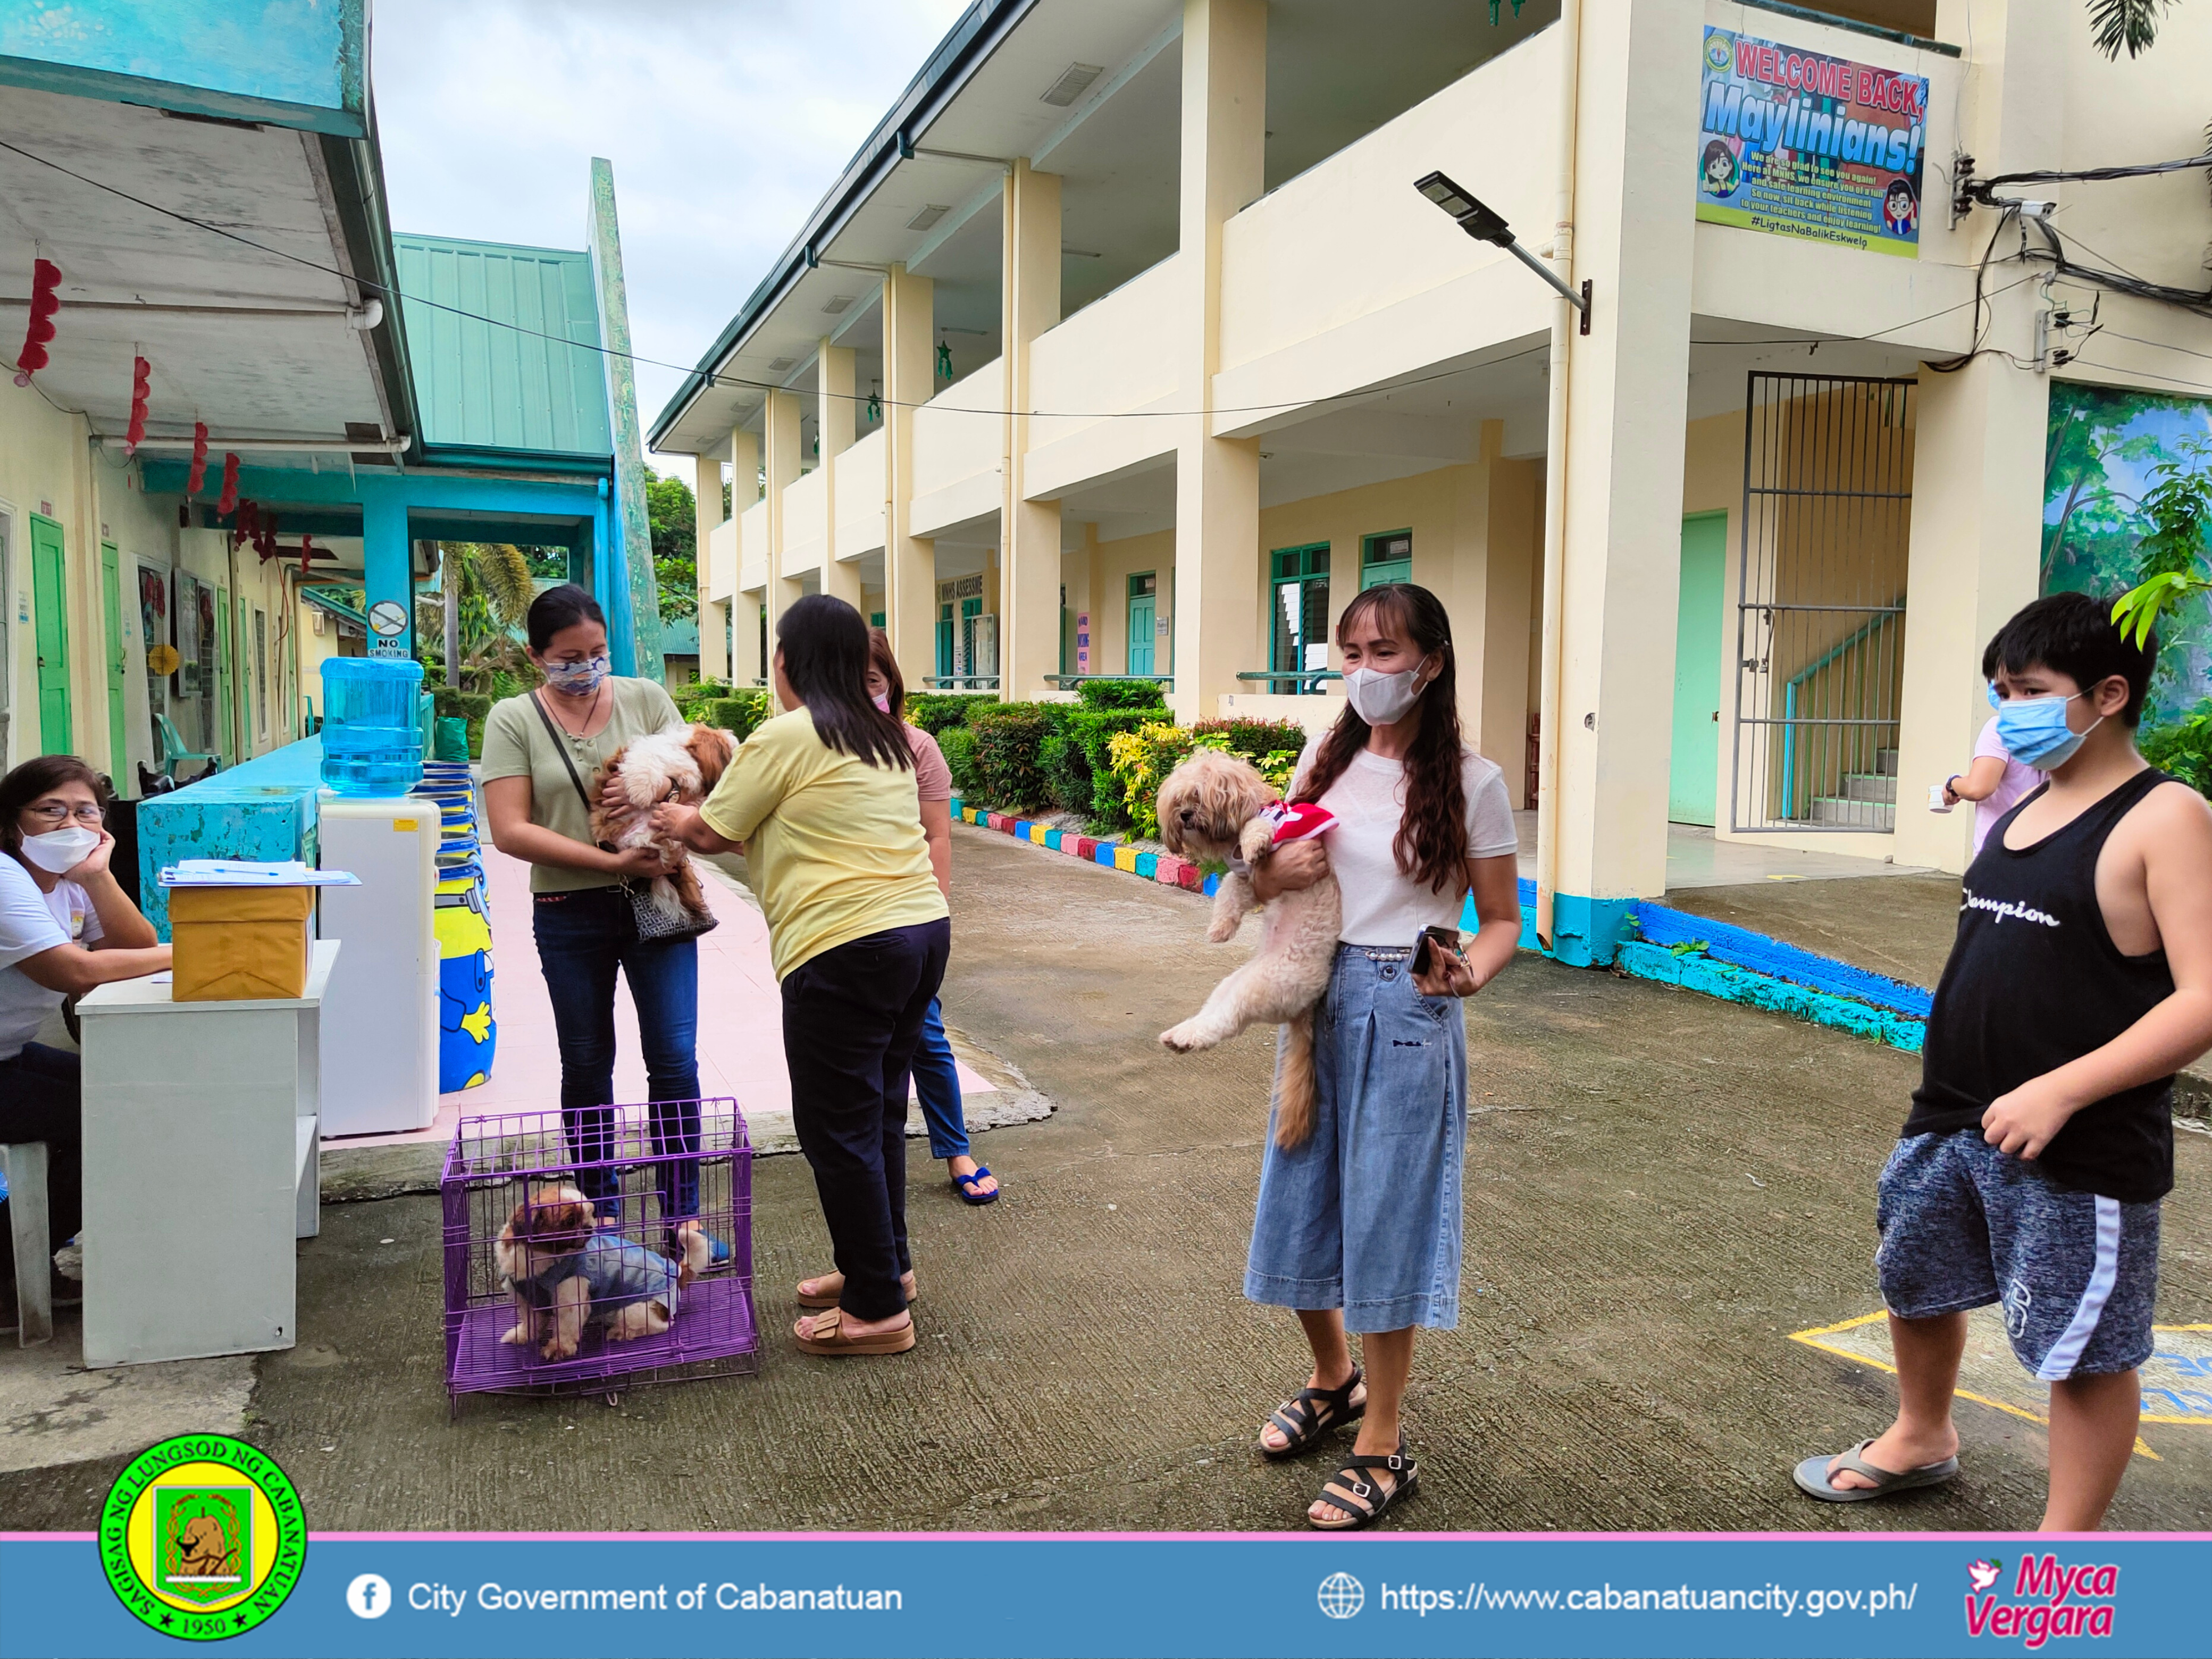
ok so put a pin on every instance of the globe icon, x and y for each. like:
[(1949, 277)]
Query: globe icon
[(1341, 1596)]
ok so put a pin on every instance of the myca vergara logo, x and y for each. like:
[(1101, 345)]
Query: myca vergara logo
[(202, 1537), (2048, 1599)]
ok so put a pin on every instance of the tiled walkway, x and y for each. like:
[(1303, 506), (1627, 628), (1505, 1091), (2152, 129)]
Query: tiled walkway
[(741, 1018)]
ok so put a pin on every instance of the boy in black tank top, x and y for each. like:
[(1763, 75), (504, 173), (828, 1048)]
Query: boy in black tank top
[(2041, 1141)]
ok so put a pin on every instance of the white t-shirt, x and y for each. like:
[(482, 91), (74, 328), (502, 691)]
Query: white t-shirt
[(1381, 905), (31, 921)]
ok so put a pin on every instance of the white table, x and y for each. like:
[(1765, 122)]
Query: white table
[(201, 1156)]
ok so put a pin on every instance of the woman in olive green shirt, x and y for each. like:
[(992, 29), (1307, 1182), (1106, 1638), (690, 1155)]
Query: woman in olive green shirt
[(580, 913)]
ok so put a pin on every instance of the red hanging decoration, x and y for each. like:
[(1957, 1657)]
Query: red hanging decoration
[(46, 280), (141, 392), (200, 458), (227, 503), (307, 553), (242, 527)]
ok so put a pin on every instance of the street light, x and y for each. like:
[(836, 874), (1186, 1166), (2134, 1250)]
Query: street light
[(1484, 225)]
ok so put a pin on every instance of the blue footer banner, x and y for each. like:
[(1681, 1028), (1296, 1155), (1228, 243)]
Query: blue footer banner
[(212, 1571)]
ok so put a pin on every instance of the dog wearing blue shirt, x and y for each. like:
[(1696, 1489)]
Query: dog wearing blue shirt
[(565, 1273)]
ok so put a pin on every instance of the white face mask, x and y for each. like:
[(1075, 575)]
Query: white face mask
[(58, 850), (1382, 699)]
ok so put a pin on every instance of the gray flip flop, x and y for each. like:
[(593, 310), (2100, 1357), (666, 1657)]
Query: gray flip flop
[(1813, 1476)]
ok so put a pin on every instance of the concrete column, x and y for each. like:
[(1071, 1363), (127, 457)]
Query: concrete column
[(1976, 527), (1493, 580), (707, 517), (909, 560), (745, 663), (1218, 592), (1627, 402), (781, 421), (1029, 641), (386, 572), (833, 411)]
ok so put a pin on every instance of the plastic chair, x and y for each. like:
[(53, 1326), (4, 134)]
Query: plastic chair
[(23, 1164), (174, 752)]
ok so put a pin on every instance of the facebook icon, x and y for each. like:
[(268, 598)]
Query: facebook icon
[(369, 1596)]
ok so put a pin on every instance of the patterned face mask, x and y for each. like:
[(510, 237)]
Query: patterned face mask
[(576, 678)]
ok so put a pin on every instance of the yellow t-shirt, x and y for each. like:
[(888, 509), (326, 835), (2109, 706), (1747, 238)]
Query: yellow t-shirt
[(834, 846)]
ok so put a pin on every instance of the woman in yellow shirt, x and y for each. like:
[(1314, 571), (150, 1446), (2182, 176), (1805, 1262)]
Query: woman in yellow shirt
[(823, 798)]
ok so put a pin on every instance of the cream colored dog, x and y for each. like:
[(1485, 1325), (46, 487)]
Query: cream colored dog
[(1216, 807), (683, 763)]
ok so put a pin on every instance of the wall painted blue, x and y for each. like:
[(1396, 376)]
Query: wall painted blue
[(263, 810), (292, 63)]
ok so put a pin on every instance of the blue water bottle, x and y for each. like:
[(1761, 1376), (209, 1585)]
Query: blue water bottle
[(372, 737)]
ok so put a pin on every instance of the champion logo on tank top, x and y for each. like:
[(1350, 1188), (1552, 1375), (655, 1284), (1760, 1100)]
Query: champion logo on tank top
[(1999, 909)]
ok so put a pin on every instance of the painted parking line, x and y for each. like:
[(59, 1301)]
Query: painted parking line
[(2176, 1380)]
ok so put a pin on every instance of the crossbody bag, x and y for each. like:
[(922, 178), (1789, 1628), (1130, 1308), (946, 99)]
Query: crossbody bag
[(655, 925)]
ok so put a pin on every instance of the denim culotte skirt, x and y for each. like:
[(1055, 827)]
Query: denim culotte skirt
[(1365, 1215)]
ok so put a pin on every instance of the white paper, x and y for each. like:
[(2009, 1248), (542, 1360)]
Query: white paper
[(233, 873)]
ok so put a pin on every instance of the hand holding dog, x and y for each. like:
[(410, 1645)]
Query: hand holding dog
[(1291, 868)]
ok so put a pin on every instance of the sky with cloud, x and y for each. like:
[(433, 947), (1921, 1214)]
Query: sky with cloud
[(725, 121)]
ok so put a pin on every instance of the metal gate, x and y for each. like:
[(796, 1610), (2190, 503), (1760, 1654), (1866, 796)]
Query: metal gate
[(1827, 500)]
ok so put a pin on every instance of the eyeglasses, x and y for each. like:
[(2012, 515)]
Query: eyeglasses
[(54, 811)]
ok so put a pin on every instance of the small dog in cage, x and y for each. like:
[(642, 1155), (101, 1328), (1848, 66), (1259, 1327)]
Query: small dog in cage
[(565, 1273), (682, 764)]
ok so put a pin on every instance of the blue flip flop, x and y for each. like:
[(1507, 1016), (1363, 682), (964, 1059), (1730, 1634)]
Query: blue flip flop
[(965, 1186)]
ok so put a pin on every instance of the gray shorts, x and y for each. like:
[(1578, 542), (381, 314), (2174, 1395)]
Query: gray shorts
[(1964, 1225)]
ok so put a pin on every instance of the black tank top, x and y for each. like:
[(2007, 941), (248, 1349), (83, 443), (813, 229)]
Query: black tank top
[(2035, 981)]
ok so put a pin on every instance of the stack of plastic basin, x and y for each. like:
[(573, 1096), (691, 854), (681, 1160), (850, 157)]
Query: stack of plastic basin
[(371, 736)]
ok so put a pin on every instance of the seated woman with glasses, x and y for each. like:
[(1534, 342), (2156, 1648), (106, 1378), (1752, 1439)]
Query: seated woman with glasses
[(66, 925)]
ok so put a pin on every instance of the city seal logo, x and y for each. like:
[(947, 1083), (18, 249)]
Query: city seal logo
[(202, 1537)]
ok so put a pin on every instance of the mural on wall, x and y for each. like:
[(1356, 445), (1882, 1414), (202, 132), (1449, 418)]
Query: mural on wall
[(2102, 445), (1800, 144)]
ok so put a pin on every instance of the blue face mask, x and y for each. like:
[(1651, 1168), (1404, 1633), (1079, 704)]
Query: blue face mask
[(577, 679), (2034, 732)]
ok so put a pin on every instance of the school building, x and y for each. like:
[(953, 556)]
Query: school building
[(1125, 344), (225, 225)]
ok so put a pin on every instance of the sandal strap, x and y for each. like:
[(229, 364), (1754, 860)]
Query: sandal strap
[(1304, 1418)]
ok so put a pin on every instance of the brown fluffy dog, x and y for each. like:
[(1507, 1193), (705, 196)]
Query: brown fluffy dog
[(1211, 807), (683, 763), (551, 1245)]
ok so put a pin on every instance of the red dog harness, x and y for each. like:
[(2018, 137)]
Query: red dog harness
[(1301, 822)]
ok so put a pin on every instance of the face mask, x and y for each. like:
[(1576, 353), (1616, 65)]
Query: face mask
[(1382, 699), (60, 850), (2034, 732), (883, 700), (576, 678)]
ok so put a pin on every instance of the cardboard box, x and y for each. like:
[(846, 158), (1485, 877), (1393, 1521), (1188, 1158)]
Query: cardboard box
[(239, 943)]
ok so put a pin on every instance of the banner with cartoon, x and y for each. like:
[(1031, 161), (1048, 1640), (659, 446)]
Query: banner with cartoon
[(1803, 144)]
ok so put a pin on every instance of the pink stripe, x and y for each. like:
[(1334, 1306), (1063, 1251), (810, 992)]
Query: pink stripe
[(1171, 1537)]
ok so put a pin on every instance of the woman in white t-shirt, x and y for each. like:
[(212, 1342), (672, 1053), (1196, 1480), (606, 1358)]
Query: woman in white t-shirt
[(66, 925), (1358, 1226)]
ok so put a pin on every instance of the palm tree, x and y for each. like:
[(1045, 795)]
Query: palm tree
[(2129, 23), (486, 589)]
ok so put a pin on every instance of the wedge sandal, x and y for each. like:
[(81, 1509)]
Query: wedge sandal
[(1305, 1419), (1365, 1501), (1813, 1476), (830, 1286), (833, 1343)]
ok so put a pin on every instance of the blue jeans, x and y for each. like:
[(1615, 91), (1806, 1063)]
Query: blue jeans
[(1365, 1215), (937, 1083), (582, 939)]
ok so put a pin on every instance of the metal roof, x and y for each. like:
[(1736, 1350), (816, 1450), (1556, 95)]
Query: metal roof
[(535, 385)]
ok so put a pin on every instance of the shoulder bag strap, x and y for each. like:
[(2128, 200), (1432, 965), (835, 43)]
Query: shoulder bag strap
[(561, 750)]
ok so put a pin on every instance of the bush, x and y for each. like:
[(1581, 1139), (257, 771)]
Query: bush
[(2184, 749), (938, 712), (692, 699), (1274, 746), (1079, 768), (1121, 693), (1141, 760), (1009, 751), (958, 745), (471, 706), (738, 712)]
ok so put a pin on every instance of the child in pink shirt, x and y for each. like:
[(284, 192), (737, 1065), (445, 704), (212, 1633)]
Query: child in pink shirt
[(1996, 783)]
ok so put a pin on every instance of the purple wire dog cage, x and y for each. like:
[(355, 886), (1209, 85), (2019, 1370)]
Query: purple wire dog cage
[(613, 1253)]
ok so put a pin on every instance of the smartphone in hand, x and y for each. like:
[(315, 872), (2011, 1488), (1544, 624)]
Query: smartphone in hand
[(1447, 937)]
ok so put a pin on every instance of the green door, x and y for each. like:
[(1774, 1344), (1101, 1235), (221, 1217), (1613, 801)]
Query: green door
[(226, 720), (945, 657), (111, 616), (1386, 558), (49, 593), (1143, 600), (1693, 775)]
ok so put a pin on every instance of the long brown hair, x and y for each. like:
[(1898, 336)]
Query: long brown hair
[(1431, 841), (881, 659), (42, 777)]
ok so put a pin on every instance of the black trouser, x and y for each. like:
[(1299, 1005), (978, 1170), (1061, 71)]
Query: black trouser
[(42, 1099), (851, 1017)]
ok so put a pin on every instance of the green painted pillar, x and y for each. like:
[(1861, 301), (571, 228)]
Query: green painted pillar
[(633, 553), (387, 576)]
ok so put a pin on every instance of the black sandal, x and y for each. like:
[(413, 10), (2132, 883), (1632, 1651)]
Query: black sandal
[(1366, 1501), (1313, 1415)]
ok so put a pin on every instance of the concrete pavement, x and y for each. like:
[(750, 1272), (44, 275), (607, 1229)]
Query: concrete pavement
[(1661, 1190)]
